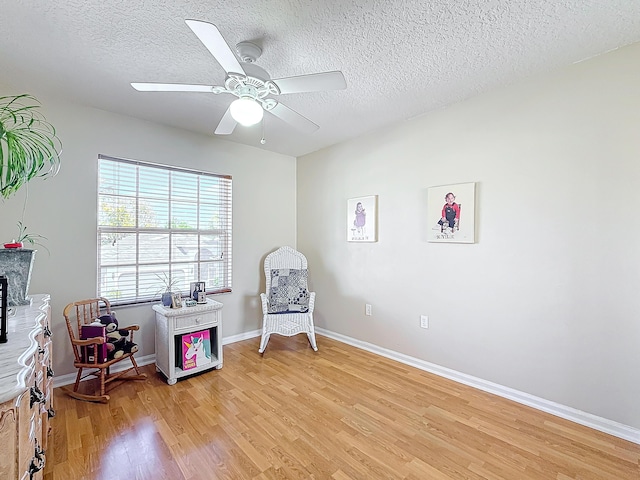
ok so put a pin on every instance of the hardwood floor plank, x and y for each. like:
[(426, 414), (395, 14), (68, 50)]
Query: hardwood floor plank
[(246, 446), (339, 413)]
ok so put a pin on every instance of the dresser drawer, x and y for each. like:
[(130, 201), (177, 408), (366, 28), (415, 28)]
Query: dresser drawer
[(26, 431), (25, 391), (189, 322)]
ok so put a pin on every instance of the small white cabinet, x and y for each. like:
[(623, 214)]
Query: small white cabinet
[(177, 329)]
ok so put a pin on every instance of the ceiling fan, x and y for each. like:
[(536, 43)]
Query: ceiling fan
[(251, 84)]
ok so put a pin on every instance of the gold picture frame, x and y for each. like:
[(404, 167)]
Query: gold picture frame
[(176, 300)]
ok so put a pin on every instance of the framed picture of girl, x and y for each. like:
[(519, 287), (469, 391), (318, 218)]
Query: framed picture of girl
[(362, 220)]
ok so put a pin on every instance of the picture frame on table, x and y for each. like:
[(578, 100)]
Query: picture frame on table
[(176, 300), (197, 292)]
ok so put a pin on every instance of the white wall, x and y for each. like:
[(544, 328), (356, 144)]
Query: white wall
[(63, 209), (546, 302)]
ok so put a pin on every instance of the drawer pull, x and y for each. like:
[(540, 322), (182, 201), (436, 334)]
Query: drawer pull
[(37, 462), (41, 351), (50, 372), (51, 413), (36, 396)]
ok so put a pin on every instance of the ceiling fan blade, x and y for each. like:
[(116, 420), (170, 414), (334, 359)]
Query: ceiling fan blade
[(171, 87), (227, 124), (315, 82), (211, 37), (293, 118)]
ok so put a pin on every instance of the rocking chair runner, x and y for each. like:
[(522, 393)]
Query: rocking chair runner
[(82, 313), (284, 307)]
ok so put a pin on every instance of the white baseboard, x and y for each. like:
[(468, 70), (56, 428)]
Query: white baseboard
[(583, 418), (62, 380), (68, 379), (242, 336)]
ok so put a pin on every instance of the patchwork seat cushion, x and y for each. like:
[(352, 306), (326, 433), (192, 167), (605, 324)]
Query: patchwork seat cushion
[(289, 292)]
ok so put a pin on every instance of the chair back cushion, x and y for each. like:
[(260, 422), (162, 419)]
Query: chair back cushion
[(289, 292)]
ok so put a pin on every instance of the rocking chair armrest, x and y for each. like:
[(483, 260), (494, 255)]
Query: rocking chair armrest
[(130, 327), (265, 303), (312, 301), (89, 341)]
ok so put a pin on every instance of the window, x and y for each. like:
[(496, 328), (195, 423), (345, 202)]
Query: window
[(159, 226)]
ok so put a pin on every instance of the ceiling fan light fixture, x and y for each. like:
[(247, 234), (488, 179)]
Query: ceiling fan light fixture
[(246, 111)]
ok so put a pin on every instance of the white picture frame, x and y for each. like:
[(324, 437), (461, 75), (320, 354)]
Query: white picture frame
[(451, 220), (362, 219)]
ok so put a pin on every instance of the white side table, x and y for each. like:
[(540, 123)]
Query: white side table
[(177, 327)]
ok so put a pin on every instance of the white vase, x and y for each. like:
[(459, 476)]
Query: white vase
[(16, 265)]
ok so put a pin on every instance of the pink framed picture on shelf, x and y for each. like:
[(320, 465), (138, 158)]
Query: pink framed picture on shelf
[(196, 349)]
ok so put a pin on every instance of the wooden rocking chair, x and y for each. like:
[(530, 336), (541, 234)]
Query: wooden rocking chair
[(82, 313)]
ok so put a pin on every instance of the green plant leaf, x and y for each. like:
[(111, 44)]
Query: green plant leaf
[(29, 146), (31, 238)]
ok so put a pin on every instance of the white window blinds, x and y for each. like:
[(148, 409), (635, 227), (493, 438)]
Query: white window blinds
[(161, 227)]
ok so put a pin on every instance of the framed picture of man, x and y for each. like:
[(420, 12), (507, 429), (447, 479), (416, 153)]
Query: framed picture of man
[(451, 213)]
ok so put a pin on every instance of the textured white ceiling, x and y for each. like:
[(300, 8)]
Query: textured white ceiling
[(400, 58)]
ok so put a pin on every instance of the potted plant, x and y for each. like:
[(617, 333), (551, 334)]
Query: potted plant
[(24, 237), (29, 146), (16, 264), (168, 283)]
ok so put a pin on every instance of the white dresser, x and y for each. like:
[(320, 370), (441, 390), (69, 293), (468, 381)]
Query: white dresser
[(26, 391), (177, 329)]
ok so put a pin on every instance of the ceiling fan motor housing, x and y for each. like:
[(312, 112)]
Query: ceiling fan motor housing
[(247, 91)]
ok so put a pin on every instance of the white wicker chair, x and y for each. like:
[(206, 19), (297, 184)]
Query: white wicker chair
[(286, 323)]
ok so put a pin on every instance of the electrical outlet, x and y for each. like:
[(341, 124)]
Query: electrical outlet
[(367, 309), (424, 321)]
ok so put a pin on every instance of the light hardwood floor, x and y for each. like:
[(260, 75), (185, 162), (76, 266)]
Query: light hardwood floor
[(339, 413)]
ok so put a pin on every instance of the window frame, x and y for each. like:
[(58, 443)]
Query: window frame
[(223, 265)]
